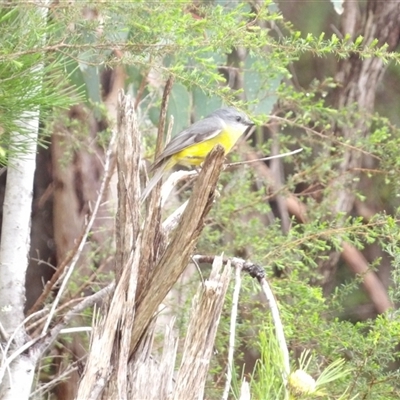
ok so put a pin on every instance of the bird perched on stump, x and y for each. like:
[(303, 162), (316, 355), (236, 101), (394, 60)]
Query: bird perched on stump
[(192, 145)]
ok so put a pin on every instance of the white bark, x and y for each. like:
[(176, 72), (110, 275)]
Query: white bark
[(14, 247), (15, 238), (18, 380)]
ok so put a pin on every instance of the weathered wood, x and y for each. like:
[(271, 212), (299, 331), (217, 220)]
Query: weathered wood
[(110, 345), (150, 378), (121, 341), (200, 336), (176, 255)]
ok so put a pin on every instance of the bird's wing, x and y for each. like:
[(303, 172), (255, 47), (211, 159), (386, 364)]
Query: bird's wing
[(200, 131)]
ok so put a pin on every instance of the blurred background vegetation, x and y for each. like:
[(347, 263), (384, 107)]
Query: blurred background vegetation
[(322, 223)]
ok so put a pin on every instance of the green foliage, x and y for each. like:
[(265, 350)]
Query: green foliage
[(310, 319), (267, 382), (200, 46), (31, 79), (366, 350)]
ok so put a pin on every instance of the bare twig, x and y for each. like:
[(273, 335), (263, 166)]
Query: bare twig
[(5, 336), (170, 127), (60, 377), (90, 300), (198, 269), (280, 334), (77, 329), (290, 153), (142, 86), (232, 330), (44, 312), (6, 361), (254, 270), (47, 340)]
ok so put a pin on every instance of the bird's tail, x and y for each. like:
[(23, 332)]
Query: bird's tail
[(154, 180)]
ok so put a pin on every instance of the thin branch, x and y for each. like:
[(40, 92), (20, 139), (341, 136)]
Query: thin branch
[(50, 337), (6, 361), (76, 329), (44, 311), (141, 89), (21, 349), (47, 386), (92, 279), (280, 334), (232, 330), (169, 130), (254, 270), (332, 139), (198, 269), (290, 153), (159, 147)]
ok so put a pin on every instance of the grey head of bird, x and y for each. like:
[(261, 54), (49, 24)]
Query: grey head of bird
[(232, 116)]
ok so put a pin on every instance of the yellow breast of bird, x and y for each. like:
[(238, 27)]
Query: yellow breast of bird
[(196, 153)]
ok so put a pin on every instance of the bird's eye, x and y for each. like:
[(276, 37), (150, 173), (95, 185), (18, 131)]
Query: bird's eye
[(238, 118)]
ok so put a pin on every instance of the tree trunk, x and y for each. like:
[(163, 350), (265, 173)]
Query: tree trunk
[(358, 81), (16, 377)]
